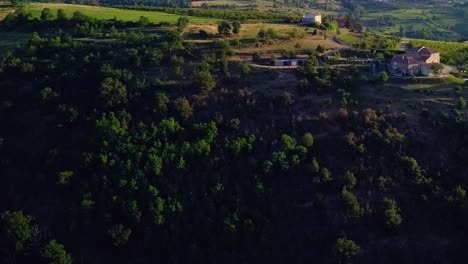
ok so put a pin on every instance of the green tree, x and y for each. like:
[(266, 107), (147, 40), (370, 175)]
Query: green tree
[(345, 250), (143, 21), (55, 253), (392, 213), (351, 203), (326, 175), (182, 23), (402, 31), (182, 106), (64, 177), (315, 165), (383, 76), (17, 227), (461, 103), (224, 28), (113, 92), (119, 235), (303, 86), (161, 102), (79, 17), (350, 180), (236, 26), (320, 49), (109, 125), (308, 140), (46, 14), (205, 81), (61, 16), (48, 95), (437, 69)]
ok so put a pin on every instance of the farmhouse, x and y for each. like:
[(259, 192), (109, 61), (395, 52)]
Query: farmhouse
[(416, 61), (311, 18)]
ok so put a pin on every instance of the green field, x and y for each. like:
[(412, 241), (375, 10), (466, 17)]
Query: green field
[(442, 46), (110, 13), (442, 21), (350, 39), (270, 6)]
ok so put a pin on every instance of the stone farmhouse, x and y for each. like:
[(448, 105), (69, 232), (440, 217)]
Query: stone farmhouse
[(416, 61)]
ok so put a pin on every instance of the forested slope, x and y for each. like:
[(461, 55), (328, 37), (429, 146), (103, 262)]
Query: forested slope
[(122, 143)]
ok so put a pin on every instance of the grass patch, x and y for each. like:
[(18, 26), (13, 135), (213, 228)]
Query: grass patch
[(105, 13), (350, 39), (367, 41), (454, 80)]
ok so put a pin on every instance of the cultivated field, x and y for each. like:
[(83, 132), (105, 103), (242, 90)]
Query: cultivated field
[(289, 37), (269, 6), (442, 46), (110, 13), (5, 9), (416, 20)]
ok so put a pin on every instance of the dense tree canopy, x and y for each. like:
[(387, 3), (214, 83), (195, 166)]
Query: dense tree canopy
[(122, 143)]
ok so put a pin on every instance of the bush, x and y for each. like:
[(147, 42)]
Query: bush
[(351, 203), (345, 250), (55, 253), (308, 140), (182, 106), (392, 213)]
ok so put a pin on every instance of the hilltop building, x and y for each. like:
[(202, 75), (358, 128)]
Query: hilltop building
[(416, 61), (311, 18)]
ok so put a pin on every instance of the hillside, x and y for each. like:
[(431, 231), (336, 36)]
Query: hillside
[(212, 136)]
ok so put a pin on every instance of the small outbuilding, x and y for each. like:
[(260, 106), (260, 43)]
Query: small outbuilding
[(311, 18), (290, 62)]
